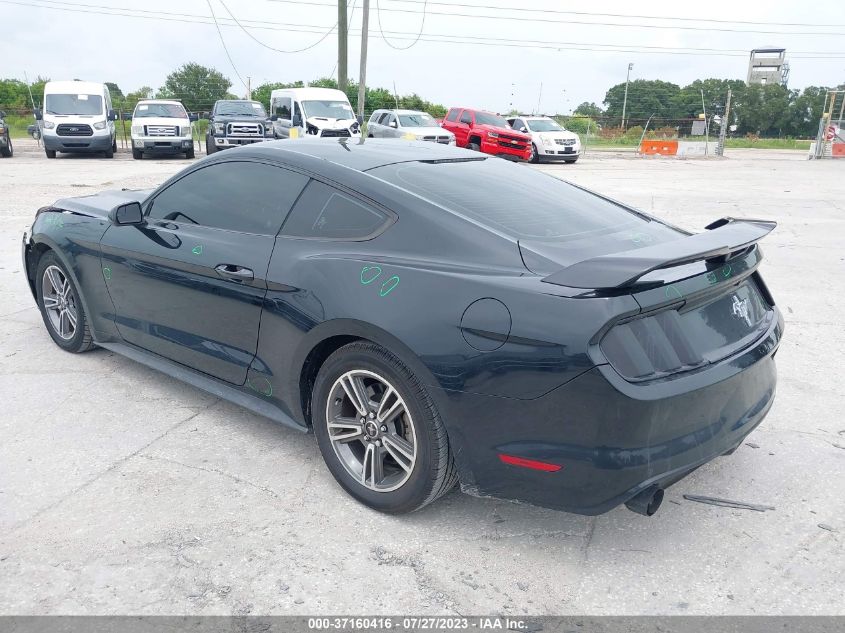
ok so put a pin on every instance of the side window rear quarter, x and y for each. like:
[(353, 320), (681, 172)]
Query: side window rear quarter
[(324, 212)]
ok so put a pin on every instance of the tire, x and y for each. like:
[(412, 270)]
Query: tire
[(401, 486), (210, 148), (475, 147), (50, 271), (8, 151), (190, 153), (137, 154), (109, 153), (51, 153), (571, 162), (535, 156)]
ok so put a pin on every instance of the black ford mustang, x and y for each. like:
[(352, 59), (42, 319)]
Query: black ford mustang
[(433, 315)]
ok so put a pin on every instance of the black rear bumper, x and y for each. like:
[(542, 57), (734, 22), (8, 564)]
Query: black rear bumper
[(611, 438)]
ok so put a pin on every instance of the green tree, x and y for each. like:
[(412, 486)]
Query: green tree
[(588, 109), (132, 99), (645, 97), (116, 94), (198, 87)]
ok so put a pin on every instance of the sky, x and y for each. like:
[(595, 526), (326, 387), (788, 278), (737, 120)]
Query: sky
[(485, 63)]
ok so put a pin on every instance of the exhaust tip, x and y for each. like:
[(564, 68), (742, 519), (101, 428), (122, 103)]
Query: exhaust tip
[(647, 502)]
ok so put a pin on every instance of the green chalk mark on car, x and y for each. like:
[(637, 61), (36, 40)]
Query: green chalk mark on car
[(672, 292), (107, 273), (712, 278), (367, 276), (197, 250), (726, 271), (263, 387), (388, 286)]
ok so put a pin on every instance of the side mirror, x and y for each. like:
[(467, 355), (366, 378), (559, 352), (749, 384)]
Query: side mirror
[(112, 115), (274, 117), (360, 119), (394, 125), (193, 117), (38, 114), (522, 128), (127, 214), (297, 120)]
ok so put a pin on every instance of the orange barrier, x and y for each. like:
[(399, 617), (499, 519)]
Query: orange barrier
[(838, 150), (663, 148)]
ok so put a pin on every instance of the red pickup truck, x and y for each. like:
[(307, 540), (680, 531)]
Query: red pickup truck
[(487, 132)]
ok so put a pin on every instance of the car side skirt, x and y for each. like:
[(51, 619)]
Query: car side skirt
[(231, 394)]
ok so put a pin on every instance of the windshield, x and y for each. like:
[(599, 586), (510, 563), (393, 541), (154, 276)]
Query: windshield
[(328, 109), (241, 108), (485, 118), (544, 125), (73, 104), (165, 110), (417, 120), (529, 205)]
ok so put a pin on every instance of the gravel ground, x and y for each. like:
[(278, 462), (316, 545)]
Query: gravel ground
[(122, 491)]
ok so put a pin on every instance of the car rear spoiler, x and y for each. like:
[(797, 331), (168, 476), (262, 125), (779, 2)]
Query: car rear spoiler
[(725, 237)]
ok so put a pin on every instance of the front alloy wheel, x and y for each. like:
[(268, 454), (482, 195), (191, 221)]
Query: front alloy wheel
[(60, 305), (371, 430)]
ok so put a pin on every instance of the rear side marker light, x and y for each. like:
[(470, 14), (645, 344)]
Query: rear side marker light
[(513, 460)]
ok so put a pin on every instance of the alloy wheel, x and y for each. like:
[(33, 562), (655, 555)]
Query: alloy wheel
[(59, 302), (371, 430)]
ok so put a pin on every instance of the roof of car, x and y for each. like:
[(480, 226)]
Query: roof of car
[(395, 111), (173, 101), (360, 154)]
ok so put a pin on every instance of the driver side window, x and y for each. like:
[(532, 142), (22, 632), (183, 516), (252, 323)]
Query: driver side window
[(466, 117), (241, 196)]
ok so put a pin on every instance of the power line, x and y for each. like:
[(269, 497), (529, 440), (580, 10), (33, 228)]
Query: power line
[(278, 50), (618, 15), (432, 37), (568, 21), (223, 42), (386, 41)]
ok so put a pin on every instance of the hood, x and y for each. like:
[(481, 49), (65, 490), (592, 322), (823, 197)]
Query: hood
[(426, 131), (240, 118), (99, 204), (161, 120), (505, 130), (328, 123), (565, 134)]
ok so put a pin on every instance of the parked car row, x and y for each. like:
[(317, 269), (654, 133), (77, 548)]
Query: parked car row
[(78, 117)]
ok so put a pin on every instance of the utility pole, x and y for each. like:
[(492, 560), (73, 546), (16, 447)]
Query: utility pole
[(342, 33), (249, 88), (706, 125), (726, 123), (625, 101), (362, 73)]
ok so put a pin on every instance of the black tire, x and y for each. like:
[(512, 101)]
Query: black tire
[(109, 153), (51, 153), (81, 341), (571, 162), (535, 155), (8, 151), (190, 153), (433, 472), (475, 147), (137, 154), (210, 147)]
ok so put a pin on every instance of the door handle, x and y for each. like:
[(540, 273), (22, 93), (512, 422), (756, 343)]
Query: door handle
[(234, 272)]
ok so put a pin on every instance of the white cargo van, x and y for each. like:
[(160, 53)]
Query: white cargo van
[(322, 112), (77, 117)]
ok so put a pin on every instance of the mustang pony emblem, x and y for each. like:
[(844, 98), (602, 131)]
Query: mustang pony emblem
[(740, 310)]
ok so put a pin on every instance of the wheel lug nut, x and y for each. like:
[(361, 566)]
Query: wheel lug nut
[(372, 415), (384, 428)]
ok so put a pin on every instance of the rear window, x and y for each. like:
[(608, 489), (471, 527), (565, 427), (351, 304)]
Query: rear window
[(453, 114), (522, 202)]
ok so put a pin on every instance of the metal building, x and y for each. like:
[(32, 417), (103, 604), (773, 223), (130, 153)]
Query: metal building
[(768, 66)]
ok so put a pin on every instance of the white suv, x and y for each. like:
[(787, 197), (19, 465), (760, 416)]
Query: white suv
[(550, 140), (161, 126)]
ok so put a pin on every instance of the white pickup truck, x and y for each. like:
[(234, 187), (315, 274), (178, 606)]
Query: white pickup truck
[(161, 126)]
